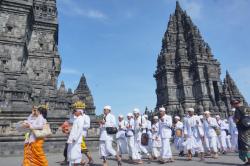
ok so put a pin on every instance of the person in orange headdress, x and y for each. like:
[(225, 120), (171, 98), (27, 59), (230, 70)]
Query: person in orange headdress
[(33, 148)]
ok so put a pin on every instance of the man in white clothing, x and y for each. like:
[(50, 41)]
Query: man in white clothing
[(228, 137), (156, 141), (106, 138), (75, 139), (210, 126), (132, 151), (148, 130), (86, 126), (140, 127), (178, 137), (122, 146), (165, 133), (223, 134), (233, 130), (193, 134)]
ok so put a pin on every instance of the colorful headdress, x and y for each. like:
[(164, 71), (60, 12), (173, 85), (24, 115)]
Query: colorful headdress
[(44, 106), (79, 105)]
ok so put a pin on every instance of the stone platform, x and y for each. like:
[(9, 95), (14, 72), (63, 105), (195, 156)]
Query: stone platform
[(13, 145), (230, 159)]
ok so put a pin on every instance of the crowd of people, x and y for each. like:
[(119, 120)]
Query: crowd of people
[(138, 137)]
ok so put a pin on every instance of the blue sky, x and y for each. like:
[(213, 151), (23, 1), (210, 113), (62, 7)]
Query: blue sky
[(115, 43)]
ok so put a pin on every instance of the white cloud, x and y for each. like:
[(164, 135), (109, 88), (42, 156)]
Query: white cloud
[(70, 71), (71, 8)]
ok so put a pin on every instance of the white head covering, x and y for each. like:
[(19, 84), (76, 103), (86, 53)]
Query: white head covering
[(145, 116), (79, 110), (107, 107), (162, 109), (156, 117), (120, 116), (233, 109), (136, 111), (130, 114), (190, 110), (177, 117), (206, 112)]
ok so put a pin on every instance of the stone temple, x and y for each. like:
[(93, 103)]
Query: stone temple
[(29, 68), (187, 73)]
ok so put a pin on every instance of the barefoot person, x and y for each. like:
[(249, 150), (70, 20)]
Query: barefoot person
[(106, 138), (75, 139), (122, 144), (79, 105), (210, 126), (34, 153), (193, 134), (178, 137), (165, 133)]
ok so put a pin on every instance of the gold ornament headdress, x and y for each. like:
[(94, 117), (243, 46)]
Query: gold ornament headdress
[(79, 105), (44, 106)]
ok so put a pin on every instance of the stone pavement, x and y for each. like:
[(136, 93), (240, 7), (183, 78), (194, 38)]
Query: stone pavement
[(231, 159)]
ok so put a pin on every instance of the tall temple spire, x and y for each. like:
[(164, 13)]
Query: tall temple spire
[(178, 8), (187, 75), (82, 86), (83, 93)]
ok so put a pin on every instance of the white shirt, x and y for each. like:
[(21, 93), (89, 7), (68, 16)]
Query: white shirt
[(193, 127), (75, 135), (155, 130), (140, 121), (179, 125), (232, 126), (165, 124), (122, 127), (130, 127), (86, 124), (110, 121), (35, 123), (222, 124), (209, 125)]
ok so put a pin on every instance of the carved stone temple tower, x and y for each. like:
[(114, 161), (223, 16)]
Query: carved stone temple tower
[(187, 73), (29, 68)]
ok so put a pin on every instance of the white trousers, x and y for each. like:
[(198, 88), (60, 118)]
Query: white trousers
[(234, 141), (74, 153), (166, 152), (194, 144), (207, 147), (106, 149), (213, 144), (218, 142), (122, 146), (228, 140), (156, 152), (178, 141), (132, 150), (138, 145), (223, 139)]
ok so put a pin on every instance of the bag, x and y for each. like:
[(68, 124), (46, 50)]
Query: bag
[(111, 130), (45, 132), (144, 139), (218, 131), (246, 121), (178, 133)]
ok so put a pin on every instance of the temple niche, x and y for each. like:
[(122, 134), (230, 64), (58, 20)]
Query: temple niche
[(187, 73), (30, 65)]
